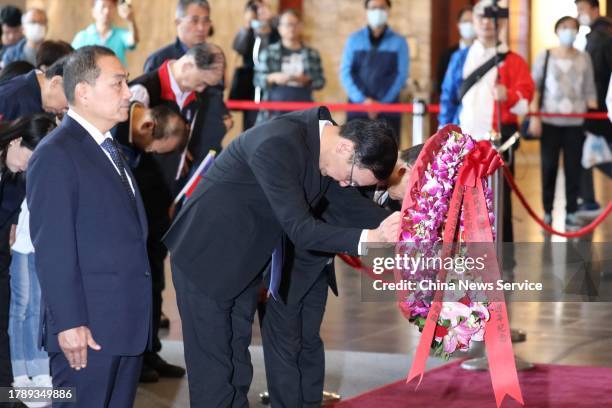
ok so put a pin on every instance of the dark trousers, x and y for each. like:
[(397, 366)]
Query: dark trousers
[(555, 139), (587, 189), (249, 117), (156, 252), (107, 381), (216, 335), (293, 350), (508, 233), (6, 371)]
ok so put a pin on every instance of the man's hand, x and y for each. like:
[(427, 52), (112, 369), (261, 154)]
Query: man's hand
[(535, 126), (500, 93), (388, 230), (74, 343), (370, 101), (278, 78), (13, 235), (228, 122), (125, 11), (302, 80)]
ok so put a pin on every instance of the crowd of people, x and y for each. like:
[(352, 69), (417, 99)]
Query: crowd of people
[(84, 241)]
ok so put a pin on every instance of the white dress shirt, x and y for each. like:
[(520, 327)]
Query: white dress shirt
[(99, 138)]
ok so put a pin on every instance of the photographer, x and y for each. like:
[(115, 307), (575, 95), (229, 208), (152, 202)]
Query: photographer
[(474, 89)]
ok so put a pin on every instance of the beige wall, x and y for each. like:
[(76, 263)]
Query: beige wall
[(327, 25)]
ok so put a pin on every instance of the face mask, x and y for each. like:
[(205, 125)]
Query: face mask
[(584, 19), (567, 36), (34, 32), (377, 18), (466, 30), (256, 24)]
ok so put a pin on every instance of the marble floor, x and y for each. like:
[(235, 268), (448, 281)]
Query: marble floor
[(562, 333)]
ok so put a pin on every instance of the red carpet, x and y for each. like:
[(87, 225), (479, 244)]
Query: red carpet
[(545, 386)]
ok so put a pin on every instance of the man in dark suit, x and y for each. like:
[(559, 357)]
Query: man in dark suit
[(193, 27), (34, 92), (293, 349), (89, 230), (266, 183)]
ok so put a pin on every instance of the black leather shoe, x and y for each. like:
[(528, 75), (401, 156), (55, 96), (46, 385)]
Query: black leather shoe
[(148, 374), (163, 368)]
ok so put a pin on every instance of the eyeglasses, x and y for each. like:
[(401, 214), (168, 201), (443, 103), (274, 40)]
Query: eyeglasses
[(351, 182), (195, 20)]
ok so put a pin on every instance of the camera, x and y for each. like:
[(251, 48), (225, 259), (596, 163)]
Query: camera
[(495, 11)]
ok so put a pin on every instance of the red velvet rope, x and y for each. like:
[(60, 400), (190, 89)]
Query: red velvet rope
[(575, 234), (377, 107)]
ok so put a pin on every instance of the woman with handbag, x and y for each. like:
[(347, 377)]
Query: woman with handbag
[(565, 85)]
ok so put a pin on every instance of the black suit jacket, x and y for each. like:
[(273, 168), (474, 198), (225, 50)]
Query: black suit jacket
[(90, 241), (345, 207), (266, 183)]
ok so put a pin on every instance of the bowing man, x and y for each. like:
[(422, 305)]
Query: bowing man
[(267, 183), (293, 349)]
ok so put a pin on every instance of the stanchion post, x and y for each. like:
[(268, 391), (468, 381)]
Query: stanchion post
[(419, 109), (496, 181)]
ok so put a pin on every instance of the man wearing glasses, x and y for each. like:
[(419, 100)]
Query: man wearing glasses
[(279, 179), (193, 26)]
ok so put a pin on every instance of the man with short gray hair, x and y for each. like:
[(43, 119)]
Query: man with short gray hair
[(89, 230), (193, 26)]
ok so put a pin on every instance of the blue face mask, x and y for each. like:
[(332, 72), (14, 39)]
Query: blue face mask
[(377, 18), (567, 36), (256, 24)]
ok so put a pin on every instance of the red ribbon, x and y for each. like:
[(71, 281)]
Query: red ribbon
[(468, 196)]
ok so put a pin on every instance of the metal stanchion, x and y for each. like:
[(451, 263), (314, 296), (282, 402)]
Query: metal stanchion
[(496, 181), (418, 121)]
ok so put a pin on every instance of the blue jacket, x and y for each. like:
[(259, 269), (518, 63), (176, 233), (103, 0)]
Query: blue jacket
[(15, 53), (20, 96), (450, 104), (91, 244), (378, 73)]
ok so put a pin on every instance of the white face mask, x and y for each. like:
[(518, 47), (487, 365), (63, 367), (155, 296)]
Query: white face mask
[(584, 19), (467, 31), (34, 32), (567, 36), (377, 18)]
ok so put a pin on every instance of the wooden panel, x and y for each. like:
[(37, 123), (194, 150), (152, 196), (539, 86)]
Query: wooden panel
[(519, 29)]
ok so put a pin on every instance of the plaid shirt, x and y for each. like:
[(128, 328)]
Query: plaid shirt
[(270, 61)]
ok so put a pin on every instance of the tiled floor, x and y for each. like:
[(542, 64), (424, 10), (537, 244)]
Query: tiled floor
[(564, 333)]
